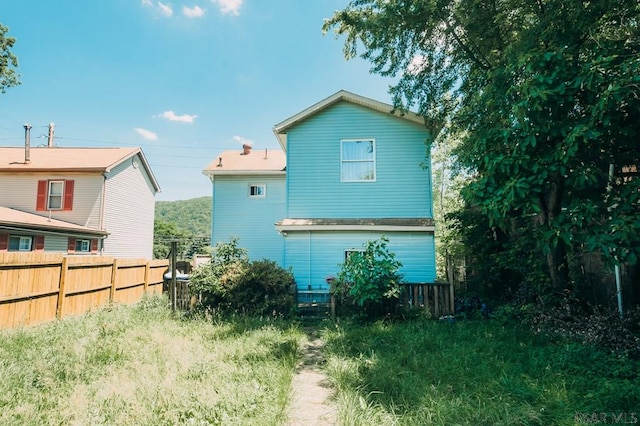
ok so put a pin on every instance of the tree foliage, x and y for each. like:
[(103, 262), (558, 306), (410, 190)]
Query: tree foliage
[(231, 283), (370, 277), (544, 96), (186, 221), (8, 61)]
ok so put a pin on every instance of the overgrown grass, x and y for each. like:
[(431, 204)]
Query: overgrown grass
[(473, 373), (142, 365)]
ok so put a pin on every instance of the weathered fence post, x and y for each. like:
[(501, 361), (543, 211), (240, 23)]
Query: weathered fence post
[(174, 262), (64, 268), (114, 276)]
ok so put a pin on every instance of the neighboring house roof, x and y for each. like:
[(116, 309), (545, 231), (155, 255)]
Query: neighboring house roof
[(63, 159), (13, 219), (255, 162), (282, 128), (347, 224)]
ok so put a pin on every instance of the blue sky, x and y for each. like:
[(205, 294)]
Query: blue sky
[(183, 79)]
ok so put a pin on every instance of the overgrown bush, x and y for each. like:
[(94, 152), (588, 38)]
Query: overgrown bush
[(369, 279), (231, 283), (264, 288)]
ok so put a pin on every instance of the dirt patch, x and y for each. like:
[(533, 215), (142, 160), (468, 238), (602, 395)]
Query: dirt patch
[(311, 404)]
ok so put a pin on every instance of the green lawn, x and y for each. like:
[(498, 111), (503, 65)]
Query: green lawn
[(474, 373), (143, 365)]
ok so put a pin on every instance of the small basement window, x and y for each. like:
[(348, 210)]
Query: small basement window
[(20, 243), (258, 191), (83, 246)]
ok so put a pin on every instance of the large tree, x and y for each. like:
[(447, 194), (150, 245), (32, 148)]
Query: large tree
[(544, 95), (8, 61)]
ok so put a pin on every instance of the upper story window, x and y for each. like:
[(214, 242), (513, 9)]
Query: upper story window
[(20, 243), (358, 160), (54, 201), (258, 191), (55, 195)]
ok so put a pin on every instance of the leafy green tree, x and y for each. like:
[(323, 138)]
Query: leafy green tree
[(544, 96), (370, 277), (213, 281), (163, 234), (8, 61)]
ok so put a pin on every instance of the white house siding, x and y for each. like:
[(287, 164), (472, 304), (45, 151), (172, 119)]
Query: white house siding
[(315, 255), (129, 212), (19, 191)]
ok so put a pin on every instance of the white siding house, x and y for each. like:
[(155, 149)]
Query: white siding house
[(108, 192)]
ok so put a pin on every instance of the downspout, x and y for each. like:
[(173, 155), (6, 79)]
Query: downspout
[(616, 266), (309, 259)]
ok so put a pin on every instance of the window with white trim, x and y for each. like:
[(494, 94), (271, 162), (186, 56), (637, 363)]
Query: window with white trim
[(83, 246), (348, 253), (258, 190), (20, 243), (358, 160), (56, 191)]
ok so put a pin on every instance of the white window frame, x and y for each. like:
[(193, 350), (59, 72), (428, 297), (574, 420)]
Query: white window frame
[(349, 252), (51, 194), (83, 246), (261, 190), (24, 241), (344, 161)]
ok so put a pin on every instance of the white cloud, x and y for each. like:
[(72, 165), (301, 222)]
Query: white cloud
[(184, 118), (242, 140), (193, 12), (147, 134), (147, 3), (165, 9), (229, 6)]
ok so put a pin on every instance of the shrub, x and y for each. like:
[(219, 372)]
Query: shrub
[(213, 281), (264, 288), (230, 283), (370, 278)]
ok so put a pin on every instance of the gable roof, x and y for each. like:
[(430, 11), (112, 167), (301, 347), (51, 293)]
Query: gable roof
[(63, 159), (281, 129), (255, 163), (18, 220)]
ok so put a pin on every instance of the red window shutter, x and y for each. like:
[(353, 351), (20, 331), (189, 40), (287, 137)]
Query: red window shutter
[(71, 247), (94, 246), (4, 242), (39, 243), (68, 195), (41, 200)]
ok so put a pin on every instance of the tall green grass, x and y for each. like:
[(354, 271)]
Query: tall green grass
[(142, 365), (472, 373)]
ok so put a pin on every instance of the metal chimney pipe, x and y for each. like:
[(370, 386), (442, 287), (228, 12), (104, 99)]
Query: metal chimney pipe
[(27, 143), (50, 140)]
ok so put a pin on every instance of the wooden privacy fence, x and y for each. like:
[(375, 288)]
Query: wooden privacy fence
[(438, 298), (39, 287)]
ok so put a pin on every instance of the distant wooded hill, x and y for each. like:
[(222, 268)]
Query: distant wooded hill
[(187, 221), (191, 216)]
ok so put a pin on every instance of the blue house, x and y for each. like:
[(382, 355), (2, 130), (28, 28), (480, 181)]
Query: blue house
[(248, 199), (355, 171)]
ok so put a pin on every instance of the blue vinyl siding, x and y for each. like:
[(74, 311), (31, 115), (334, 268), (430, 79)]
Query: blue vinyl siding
[(251, 219), (315, 255), (402, 186)]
